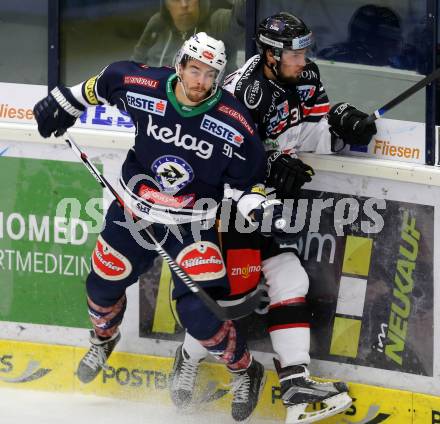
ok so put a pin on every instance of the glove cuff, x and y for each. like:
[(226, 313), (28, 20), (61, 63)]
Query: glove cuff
[(337, 115), (71, 105), (250, 202), (261, 209)]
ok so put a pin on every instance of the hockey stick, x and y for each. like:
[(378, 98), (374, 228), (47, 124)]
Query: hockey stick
[(222, 313), (403, 96)]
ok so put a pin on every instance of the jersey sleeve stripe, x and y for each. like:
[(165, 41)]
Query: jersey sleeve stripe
[(317, 110)]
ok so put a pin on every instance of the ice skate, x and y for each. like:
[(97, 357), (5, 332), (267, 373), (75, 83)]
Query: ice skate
[(95, 359), (183, 379), (298, 391), (247, 386)]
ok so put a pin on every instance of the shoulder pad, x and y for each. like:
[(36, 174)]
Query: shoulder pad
[(242, 77)]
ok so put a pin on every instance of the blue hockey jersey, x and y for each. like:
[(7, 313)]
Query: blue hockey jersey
[(182, 156)]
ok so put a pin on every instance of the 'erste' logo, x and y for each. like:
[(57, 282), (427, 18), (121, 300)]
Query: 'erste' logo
[(221, 130), (147, 103)]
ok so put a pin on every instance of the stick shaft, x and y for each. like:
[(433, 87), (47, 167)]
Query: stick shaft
[(222, 313), (403, 96)]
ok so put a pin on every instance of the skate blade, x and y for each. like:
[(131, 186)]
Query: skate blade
[(202, 401), (297, 414)]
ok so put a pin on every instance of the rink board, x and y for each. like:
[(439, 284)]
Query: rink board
[(370, 344), (34, 366)]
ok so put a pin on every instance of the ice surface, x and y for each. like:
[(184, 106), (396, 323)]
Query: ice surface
[(37, 407)]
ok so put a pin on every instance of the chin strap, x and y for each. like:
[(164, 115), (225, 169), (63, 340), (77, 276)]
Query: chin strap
[(274, 67)]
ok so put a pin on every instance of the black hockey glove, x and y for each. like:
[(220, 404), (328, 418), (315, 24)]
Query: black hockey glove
[(272, 222), (287, 175), (348, 123), (57, 112)]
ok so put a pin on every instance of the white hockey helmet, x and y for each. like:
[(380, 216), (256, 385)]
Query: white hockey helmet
[(206, 49)]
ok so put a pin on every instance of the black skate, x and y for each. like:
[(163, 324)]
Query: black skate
[(183, 379), (247, 386), (298, 391), (95, 359)]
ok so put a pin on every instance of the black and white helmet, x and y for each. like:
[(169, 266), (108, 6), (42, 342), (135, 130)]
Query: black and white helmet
[(283, 31), (206, 49)]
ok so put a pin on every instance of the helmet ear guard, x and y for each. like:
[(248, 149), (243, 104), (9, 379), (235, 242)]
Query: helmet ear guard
[(263, 46)]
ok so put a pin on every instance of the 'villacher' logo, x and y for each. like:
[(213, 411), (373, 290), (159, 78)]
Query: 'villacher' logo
[(189, 263), (202, 261), (108, 263)]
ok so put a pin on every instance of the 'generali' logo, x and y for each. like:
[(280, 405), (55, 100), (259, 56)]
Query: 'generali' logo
[(237, 116), (138, 80)]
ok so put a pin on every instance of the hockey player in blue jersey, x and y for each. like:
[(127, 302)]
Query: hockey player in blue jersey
[(192, 138)]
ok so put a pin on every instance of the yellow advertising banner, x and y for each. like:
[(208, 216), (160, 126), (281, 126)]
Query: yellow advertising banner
[(36, 366)]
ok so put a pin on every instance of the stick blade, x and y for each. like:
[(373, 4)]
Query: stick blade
[(241, 310)]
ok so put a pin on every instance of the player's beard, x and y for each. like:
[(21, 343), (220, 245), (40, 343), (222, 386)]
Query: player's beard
[(194, 94), (288, 79)]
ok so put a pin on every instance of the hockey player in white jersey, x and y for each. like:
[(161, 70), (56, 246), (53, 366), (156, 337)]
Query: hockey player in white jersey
[(282, 90)]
